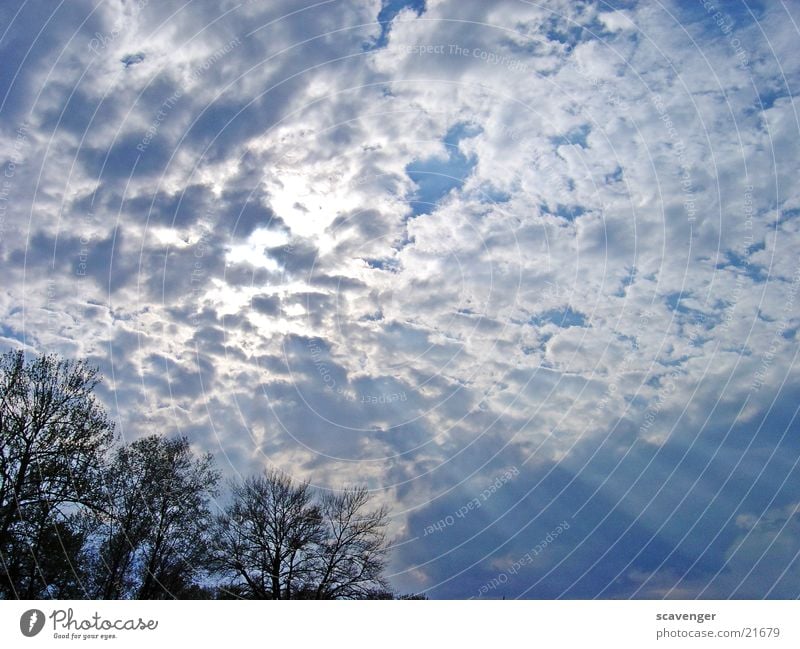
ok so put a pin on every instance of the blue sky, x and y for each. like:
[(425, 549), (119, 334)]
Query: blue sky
[(528, 271)]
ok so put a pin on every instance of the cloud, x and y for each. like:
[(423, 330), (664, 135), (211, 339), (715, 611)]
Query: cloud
[(416, 244)]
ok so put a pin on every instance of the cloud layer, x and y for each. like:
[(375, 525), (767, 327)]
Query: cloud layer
[(424, 246)]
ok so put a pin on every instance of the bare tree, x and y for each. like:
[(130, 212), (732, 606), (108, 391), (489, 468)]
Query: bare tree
[(264, 538), (53, 435), (352, 555), (274, 542)]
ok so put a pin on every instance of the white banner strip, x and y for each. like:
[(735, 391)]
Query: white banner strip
[(400, 624)]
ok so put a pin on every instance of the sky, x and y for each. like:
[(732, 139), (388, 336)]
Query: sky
[(529, 271)]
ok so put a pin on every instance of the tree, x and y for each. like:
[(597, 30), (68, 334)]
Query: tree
[(353, 554), (44, 556), (264, 539), (275, 542), (152, 532), (53, 435)]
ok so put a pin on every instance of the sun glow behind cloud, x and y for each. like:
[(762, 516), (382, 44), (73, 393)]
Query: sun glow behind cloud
[(254, 250)]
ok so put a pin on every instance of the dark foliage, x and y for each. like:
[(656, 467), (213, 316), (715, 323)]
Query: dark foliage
[(156, 500), (53, 436)]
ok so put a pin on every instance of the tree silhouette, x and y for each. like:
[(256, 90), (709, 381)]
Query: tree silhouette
[(264, 538), (153, 526), (352, 554), (275, 542), (53, 435)]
